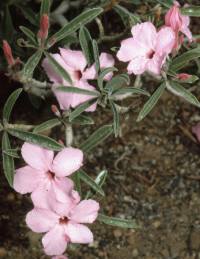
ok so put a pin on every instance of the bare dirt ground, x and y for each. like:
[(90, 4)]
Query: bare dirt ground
[(154, 177)]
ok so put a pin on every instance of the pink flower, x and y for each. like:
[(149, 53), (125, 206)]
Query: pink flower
[(196, 131), (74, 63), (147, 50), (178, 22), (62, 229), (183, 76), (44, 176)]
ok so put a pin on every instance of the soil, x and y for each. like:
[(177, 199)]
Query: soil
[(154, 177)]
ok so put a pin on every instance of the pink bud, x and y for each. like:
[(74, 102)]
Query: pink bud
[(8, 53), (44, 27), (183, 76), (55, 110), (173, 17)]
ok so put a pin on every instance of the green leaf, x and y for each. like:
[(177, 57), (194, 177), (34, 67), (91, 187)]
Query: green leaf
[(179, 90), (116, 119), (96, 55), (86, 44), (31, 64), (45, 7), (151, 102), (58, 68), (83, 120), (97, 137), (102, 75), (77, 90), (191, 11), (8, 161), (36, 139), (11, 152), (81, 108), (124, 13), (10, 103), (29, 14), (47, 125), (90, 182), (84, 18), (117, 222), (30, 35), (117, 82), (185, 58), (130, 90), (166, 3), (7, 25), (77, 182)]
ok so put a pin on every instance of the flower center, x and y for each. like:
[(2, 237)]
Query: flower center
[(151, 54), (63, 220), (78, 74), (51, 175)]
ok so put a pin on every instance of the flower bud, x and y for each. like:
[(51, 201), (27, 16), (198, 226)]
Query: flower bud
[(55, 110), (183, 76), (173, 17), (44, 27), (8, 53)]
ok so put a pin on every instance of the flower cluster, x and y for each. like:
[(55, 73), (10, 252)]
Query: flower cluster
[(58, 210)]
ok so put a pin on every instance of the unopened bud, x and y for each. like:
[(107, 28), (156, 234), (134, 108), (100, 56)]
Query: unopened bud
[(61, 142), (183, 76), (44, 27), (55, 110), (8, 53)]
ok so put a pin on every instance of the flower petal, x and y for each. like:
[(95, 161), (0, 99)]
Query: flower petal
[(26, 179), (37, 157), (55, 241), (127, 50), (85, 212), (74, 58), (155, 64), (41, 220), (67, 161), (165, 41), (78, 233), (138, 65), (184, 28)]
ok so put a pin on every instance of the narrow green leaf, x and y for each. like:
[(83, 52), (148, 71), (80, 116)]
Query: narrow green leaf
[(58, 68), (81, 108), (77, 90), (116, 120), (179, 90), (123, 12), (117, 222), (166, 3), (151, 102), (45, 7), (102, 75), (182, 60), (117, 82), (11, 152), (86, 44), (28, 13), (31, 64), (77, 182), (8, 161), (96, 55), (83, 120), (84, 18), (90, 182), (30, 35), (10, 103), (97, 137), (36, 139), (47, 125), (132, 90), (191, 11)]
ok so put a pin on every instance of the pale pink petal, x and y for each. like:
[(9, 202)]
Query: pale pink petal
[(85, 212), (67, 161), (90, 73), (55, 241), (81, 98), (74, 58), (128, 50), (155, 64), (173, 17), (37, 157), (64, 99), (78, 233), (165, 41), (145, 34), (41, 220), (138, 65), (62, 188), (40, 197), (196, 131), (185, 27), (26, 179), (106, 60)]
